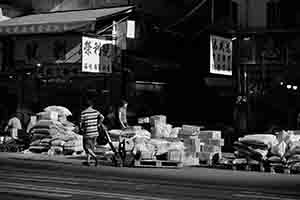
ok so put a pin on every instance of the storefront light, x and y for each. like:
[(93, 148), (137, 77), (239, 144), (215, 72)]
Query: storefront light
[(246, 38), (289, 86)]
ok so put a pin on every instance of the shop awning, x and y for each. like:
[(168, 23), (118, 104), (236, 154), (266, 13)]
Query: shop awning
[(58, 21)]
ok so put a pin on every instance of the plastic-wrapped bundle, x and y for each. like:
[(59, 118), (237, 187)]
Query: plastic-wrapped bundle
[(39, 146), (249, 152), (261, 141)]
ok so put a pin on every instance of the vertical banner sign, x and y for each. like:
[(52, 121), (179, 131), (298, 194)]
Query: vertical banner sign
[(220, 55), (97, 55)]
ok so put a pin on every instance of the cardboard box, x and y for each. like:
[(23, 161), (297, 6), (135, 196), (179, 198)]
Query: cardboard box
[(209, 134), (175, 155), (158, 119), (192, 144)]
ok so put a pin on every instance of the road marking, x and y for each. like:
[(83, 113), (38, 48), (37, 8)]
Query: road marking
[(34, 193), (45, 180), (259, 196), (30, 187), (65, 180)]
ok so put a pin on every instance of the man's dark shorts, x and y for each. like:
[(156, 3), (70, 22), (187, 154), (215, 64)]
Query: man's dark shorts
[(89, 143)]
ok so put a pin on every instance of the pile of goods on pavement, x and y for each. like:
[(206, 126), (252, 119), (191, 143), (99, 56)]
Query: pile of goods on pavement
[(53, 134), (282, 149), (187, 144)]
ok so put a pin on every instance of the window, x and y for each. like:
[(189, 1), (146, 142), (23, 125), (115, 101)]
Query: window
[(273, 14)]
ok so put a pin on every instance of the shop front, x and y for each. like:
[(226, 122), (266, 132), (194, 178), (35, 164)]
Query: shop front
[(53, 58), (270, 64)]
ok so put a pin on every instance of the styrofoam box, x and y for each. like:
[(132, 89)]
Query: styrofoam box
[(210, 134), (187, 133), (217, 142), (191, 128), (158, 119), (192, 144), (175, 155), (211, 148)]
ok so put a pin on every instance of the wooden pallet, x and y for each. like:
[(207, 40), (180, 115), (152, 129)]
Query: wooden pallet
[(158, 163)]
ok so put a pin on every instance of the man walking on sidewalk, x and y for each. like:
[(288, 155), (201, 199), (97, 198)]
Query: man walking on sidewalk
[(90, 119)]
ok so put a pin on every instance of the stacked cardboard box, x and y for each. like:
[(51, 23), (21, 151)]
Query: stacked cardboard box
[(211, 145), (175, 155), (158, 119), (189, 136), (159, 127)]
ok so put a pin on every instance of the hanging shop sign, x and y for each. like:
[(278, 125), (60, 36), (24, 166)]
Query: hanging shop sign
[(220, 55), (97, 55)]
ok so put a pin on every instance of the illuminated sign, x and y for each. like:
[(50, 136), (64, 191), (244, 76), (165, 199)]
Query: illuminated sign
[(220, 55), (97, 55)]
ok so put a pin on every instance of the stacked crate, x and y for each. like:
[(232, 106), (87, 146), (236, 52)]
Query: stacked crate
[(159, 126), (211, 146), (189, 136)]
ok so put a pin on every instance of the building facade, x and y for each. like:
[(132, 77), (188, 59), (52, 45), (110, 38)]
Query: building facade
[(42, 58)]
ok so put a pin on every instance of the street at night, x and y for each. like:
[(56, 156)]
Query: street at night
[(32, 179)]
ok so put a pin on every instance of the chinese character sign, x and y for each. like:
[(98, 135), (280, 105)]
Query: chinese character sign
[(220, 55), (96, 55)]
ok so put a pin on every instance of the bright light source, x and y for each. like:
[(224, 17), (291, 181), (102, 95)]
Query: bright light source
[(130, 29), (281, 83), (11, 77), (234, 38), (246, 38), (39, 65), (289, 86), (295, 87)]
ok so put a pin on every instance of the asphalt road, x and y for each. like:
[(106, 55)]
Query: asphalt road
[(35, 180)]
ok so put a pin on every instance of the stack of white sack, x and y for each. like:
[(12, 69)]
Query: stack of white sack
[(255, 147), (54, 127), (289, 149)]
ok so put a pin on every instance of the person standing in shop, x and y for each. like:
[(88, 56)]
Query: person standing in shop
[(110, 118), (122, 115), (14, 125), (90, 119)]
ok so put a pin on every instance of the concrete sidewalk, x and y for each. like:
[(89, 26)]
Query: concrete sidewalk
[(71, 159)]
